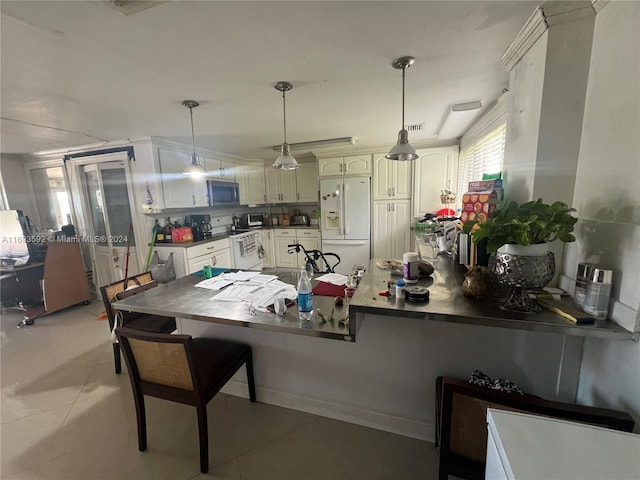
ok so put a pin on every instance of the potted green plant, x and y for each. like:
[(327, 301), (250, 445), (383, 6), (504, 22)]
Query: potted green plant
[(517, 237), (531, 223)]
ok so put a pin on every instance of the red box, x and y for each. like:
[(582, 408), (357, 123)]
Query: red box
[(476, 206), (181, 235)]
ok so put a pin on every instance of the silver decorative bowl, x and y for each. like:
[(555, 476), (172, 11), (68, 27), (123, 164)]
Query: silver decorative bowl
[(521, 273)]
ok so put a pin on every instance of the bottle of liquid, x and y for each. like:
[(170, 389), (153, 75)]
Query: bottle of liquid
[(400, 289), (159, 232), (305, 297), (167, 230), (596, 302)]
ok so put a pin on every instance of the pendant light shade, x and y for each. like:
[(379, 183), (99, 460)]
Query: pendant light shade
[(285, 161), (402, 151), (194, 168)]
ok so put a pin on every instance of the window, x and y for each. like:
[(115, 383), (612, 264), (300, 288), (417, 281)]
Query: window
[(485, 155), (51, 197)]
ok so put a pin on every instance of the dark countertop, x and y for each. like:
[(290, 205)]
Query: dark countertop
[(447, 303)]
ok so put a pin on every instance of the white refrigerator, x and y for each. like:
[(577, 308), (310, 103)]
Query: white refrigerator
[(345, 223)]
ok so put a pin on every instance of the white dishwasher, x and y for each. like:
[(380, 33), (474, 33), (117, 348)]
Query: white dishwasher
[(245, 250)]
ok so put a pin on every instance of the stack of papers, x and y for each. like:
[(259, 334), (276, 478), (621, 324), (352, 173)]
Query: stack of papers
[(255, 288), (334, 278)]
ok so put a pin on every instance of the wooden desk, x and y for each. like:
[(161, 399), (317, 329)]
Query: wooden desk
[(58, 283)]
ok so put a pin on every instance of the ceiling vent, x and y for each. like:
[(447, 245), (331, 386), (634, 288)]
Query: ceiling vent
[(414, 127), (129, 7)]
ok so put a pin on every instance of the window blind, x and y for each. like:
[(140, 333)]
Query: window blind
[(485, 155)]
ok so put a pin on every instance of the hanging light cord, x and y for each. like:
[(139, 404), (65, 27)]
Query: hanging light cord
[(193, 137), (284, 115), (403, 70)]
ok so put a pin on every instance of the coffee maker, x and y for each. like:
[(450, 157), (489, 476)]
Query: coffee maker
[(200, 226)]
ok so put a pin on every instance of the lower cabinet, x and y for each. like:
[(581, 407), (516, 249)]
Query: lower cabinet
[(187, 260), (309, 238), (391, 228), (268, 245)]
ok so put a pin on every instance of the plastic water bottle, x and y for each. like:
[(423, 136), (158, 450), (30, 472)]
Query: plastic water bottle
[(305, 297)]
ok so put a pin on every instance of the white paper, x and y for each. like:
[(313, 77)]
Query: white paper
[(237, 292), (241, 276), (214, 283), (263, 279), (334, 278)]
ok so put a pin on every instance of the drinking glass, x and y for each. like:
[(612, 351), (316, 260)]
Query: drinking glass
[(279, 305)]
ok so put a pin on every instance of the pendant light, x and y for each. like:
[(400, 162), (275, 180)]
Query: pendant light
[(194, 168), (285, 161), (402, 150)]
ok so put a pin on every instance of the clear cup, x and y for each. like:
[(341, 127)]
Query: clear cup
[(279, 305)]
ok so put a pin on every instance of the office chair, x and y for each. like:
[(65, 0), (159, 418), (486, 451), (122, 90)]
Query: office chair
[(461, 425), (181, 369), (140, 321)]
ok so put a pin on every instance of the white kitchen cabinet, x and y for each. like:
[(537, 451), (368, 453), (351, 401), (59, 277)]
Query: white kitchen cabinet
[(434, 171), (281, 185), (252, 184), (309, 238), (351, 165), (219, 169), (307, 183), (268, 245), (187, 260), (391, 178), (391, 228), (180, 191)]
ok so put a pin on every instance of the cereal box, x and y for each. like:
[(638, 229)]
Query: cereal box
[(475, 205)]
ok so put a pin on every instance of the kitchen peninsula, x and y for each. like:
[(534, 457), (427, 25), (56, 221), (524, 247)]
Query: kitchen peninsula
[(383, 375)]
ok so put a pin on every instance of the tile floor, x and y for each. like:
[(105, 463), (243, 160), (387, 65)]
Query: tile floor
[(66, 415)]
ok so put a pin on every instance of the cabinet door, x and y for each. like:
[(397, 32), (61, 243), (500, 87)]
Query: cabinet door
[(357, 165), (269, 249), (382, 180), (307, 182), (212, 166), (178, 189), (272, 181), (382, 233), (287, 184), (252, 184), (401, 174), (400, 225), (309, 242), (435, 170), (283, 258), (328, 167), (197, 263), (221, 258)]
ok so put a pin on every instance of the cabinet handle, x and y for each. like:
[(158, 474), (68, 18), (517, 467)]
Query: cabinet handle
[(341, 168), (222, 169), (211, 248), (393, 207), (298, 194), (393, 189), (265, 198), (214, 260), (388, 191), (193, 199)]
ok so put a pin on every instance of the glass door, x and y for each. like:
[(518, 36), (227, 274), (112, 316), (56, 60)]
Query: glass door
[(110, 217)]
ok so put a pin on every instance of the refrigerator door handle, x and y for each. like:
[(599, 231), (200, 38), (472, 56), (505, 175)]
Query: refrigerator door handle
[(344, 207)]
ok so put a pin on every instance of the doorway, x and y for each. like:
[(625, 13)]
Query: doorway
[(109, 225)]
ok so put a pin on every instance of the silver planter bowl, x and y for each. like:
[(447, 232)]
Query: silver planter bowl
[(521, 273)]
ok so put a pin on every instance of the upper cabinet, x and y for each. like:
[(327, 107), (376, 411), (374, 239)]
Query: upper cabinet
[(281, 185), (391, 178), (180, 191), (352, 165), (252, 184), (435, 170), (219, 169), (307, 182)]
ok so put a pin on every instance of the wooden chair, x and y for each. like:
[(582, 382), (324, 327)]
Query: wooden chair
[(140, 321), (181, 369), (461, 425)]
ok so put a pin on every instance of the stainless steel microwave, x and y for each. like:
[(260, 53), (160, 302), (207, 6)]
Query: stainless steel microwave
[(223, 194)]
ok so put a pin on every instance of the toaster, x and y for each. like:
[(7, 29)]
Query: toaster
[(300, 220)]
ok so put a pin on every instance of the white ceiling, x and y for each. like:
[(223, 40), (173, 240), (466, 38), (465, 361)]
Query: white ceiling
[(77, 73)]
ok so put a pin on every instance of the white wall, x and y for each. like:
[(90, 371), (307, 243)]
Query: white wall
[(17, 186), (607, 197)]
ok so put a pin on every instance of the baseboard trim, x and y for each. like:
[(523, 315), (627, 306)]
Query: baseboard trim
[(351, 413)]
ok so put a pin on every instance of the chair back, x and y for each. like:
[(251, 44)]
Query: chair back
[(109, 292), (158, 358)]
